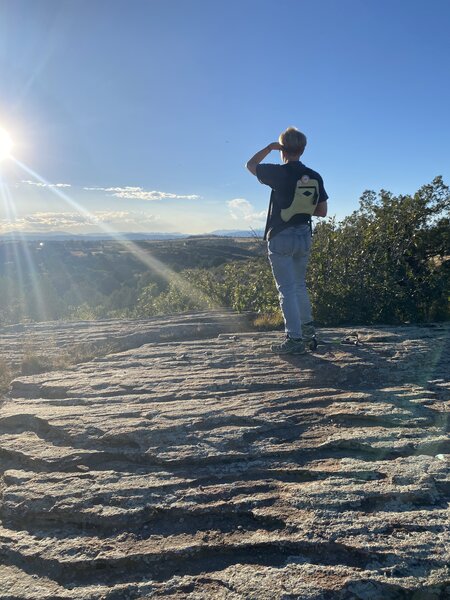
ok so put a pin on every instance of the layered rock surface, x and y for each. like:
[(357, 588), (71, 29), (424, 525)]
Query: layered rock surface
[(81, 339), (210, 468)]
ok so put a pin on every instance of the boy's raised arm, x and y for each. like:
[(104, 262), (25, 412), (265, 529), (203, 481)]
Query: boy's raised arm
[(261, 155)]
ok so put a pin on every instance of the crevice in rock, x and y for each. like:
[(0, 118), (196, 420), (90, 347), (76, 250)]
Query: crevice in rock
[(384, 421), (192, 560), (398, 502), (151, 521)]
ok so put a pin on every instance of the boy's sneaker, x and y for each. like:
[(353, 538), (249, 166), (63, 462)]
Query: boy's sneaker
[(309, 335), (289, 346)]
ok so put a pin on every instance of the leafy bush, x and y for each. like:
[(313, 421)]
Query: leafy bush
[(388, 262)]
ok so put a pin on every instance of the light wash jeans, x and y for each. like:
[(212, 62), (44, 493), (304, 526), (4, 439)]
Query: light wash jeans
[(288, 255)]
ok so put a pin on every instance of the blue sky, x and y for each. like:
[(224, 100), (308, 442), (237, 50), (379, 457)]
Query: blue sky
[(157, 105)]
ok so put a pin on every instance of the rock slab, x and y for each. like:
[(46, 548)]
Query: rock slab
[(210, 468)]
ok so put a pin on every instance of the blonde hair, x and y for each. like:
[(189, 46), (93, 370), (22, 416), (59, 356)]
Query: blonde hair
[(293, 141)]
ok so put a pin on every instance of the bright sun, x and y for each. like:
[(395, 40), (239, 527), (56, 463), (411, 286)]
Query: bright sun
[(5, 144)]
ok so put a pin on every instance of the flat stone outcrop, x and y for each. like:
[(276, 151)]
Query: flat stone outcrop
[(81, 340), (210, 468)]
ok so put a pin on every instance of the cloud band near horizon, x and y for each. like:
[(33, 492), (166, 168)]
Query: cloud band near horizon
[(48, 221), (139, 193), (128, 192)]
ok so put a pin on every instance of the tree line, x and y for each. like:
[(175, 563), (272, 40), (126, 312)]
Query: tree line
[(388, 262)]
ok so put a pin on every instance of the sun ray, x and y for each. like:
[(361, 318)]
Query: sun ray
[(9, 210), (142, 255), (30, 263), (6, 144)]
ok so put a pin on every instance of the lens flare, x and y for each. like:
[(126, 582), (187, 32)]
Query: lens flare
[(142, 255), (5, 144)]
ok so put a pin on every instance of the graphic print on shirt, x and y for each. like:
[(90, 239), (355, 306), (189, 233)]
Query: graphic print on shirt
[(305, 199)]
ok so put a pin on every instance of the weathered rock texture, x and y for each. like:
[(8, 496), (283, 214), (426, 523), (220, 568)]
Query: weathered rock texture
[(77, 340), (210, 469)]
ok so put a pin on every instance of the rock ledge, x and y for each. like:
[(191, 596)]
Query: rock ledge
[(208, 468)]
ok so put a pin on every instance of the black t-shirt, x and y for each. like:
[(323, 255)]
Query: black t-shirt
[(283, 180)]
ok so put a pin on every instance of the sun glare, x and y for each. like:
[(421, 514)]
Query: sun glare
[(5, 144)]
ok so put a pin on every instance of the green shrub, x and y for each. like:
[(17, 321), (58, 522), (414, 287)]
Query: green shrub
[(388, 262)]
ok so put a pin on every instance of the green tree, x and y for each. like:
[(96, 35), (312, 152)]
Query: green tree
[(385, 263)]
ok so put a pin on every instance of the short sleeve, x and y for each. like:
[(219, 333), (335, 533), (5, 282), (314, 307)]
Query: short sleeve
[(322, 193), (269, 174)]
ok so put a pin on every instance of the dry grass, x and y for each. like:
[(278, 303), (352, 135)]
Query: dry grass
[(268, 322), (6, 376), (36, 360)]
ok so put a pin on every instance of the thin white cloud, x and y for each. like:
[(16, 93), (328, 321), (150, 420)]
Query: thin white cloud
[(67, 221), (129, 191), (242, 210), (139, 193), (45, 185)]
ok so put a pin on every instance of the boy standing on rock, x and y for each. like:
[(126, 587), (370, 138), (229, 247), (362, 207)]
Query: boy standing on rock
[(297, 194)]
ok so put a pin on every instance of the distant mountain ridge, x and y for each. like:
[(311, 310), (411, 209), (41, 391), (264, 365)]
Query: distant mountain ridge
[(238, 232), (33, 236)]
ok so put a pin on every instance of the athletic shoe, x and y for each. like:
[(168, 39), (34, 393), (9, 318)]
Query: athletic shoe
[(309, 335), (289, 346), (308, 331)]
